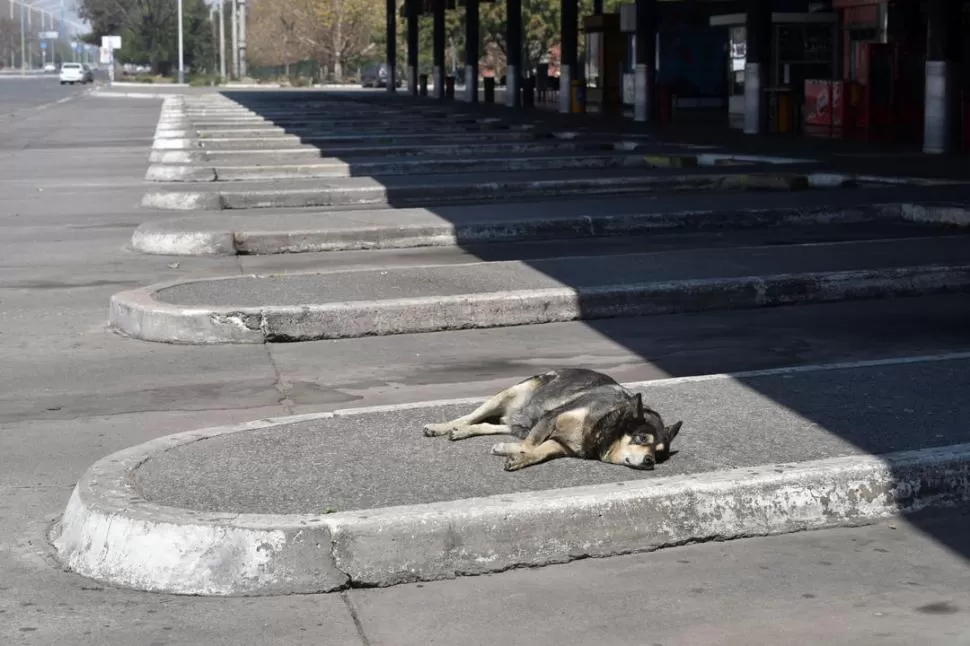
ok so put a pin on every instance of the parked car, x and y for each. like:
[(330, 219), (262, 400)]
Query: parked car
[(50, 67), (75, 73), (376, 76)]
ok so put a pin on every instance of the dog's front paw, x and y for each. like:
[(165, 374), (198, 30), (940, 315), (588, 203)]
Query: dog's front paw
[(437, 430)]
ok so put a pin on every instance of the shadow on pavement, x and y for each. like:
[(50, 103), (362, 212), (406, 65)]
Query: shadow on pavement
[(889, 417)]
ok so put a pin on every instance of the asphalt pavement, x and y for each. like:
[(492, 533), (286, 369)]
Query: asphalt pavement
[(72, 392), (19, 96), (750, 256), (381, 458)]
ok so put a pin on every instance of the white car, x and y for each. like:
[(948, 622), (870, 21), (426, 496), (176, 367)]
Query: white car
[(50, 67), (73, 73)]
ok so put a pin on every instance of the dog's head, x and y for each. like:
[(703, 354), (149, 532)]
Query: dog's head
[(647, 441)]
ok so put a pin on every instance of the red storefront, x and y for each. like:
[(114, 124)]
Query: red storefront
[(880, 92)]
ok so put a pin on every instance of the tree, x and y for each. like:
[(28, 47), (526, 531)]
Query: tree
[(9, 41), (149, 30), (334, 33), (276, 33), (346, 28), (540, 30)]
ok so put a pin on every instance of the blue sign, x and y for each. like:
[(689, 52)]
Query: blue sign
[(76, 46), (43, 45)]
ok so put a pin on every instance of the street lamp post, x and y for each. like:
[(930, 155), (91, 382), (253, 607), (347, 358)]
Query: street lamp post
[(181, 50), (23, 42), (222, 40), (234, 20), (243, 72)]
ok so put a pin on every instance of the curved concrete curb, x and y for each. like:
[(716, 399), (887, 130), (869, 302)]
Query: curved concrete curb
[(336, 169), (187, 201), (110, 533), (367, 191), (221, 235), (138, 314)]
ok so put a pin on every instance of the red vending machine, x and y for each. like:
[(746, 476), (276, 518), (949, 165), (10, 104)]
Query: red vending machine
[(826, 110)]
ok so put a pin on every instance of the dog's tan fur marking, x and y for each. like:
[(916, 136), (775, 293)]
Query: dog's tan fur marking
[(570, 429)]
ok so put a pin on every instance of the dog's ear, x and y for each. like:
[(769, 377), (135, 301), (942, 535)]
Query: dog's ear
[(639, 399), (671, 432)]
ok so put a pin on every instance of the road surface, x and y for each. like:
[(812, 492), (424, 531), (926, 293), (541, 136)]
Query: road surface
[(72, 392), (20, 96)]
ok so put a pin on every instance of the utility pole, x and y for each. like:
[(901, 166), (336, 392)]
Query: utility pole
[(30, 30), (242, 39), (23, 42), (222, 40), (11, 20), (235, 39), (181, 49)]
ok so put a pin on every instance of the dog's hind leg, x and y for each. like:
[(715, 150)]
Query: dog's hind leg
[(492, 410)]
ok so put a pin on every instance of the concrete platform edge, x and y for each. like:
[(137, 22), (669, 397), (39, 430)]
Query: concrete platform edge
[(186, 237), (108, 532), (138, 314)]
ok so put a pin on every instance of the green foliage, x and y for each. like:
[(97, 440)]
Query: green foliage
[(149, 31), (204, 80), (540, 28)]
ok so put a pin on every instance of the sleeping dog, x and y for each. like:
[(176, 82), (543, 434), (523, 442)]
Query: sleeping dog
[(567, 413)]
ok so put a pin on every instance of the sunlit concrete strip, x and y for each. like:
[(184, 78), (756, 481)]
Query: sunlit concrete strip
[(406, 191), (411, 228), (111, 533), (303, 306), (289, 154), (404, 166)]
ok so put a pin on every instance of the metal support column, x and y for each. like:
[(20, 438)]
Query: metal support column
[(472, 37), (438, 49), (646, 60), (412, 47), (569, 35), (757, 61), (943, 50), (513, 74), (391, 45)]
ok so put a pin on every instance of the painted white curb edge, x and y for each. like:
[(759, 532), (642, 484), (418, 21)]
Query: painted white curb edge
[(200, 237), (110, 533), (139, 314)]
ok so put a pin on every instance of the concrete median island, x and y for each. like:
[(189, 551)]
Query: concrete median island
[(321, 502), (414, 299), (340, 230), (494, 187)]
